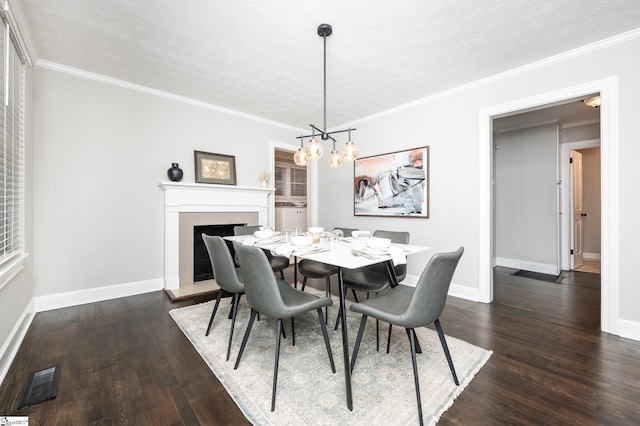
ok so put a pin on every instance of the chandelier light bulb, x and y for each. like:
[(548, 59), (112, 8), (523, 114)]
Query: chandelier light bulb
[(314, 149), (300, 157), (335, 159), (350, 151)]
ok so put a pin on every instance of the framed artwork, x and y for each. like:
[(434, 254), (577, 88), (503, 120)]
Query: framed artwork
[(215, 168), (394, 184)]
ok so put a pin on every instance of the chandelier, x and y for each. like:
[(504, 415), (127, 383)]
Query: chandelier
[(313, 150)]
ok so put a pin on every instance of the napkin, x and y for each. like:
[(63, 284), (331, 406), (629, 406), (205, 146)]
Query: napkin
[(397, 255), (249, 241), (284, 250)]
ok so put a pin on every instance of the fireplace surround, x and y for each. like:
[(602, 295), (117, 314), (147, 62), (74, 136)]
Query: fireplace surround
[(190, 204)]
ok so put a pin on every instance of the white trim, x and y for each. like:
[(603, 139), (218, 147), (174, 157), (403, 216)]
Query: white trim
[(629, 329), (584, 50), (14, 340), (11, 268), (273, 145), (98, 294), (543, 268), (608, 89), (150, 91), (591, 256), (24, 44), (566, 213)]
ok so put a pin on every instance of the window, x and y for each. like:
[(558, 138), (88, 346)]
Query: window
[(290, 182), (12, 93)]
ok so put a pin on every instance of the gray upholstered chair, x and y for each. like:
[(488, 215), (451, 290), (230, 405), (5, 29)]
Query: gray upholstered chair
[(277, 300), (410, 307), (278, 263), (375, 278), (228, 278), (318, 270)]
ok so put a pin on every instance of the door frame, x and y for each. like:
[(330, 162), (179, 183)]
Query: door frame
[(312, 178), (608, 89), (565, 177)]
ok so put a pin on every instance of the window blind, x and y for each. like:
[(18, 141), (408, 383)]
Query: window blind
[(12, 93)]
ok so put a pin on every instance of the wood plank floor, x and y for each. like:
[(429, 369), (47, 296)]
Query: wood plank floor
[(125, 362)]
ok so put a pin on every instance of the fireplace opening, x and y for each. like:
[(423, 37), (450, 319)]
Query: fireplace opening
[(201, 263)]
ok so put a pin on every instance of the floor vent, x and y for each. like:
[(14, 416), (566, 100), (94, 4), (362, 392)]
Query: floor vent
[(42, 385), (538, 276)]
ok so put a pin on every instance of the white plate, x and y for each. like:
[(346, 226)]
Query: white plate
[(375, 252), (306, 249), (268, 240)]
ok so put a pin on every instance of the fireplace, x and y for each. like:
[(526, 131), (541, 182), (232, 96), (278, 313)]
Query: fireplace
[(191, 204), (202, 269)]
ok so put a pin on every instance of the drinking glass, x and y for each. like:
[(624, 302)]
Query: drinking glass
[(338, 234), (286, 235)]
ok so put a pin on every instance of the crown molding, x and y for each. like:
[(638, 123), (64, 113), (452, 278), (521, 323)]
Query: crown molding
[(154, 92)]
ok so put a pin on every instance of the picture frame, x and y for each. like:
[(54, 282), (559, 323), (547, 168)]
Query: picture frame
[(215, 168), (395, 184)]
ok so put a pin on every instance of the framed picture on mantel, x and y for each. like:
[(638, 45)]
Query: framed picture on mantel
[(215, 168), (394, 184)]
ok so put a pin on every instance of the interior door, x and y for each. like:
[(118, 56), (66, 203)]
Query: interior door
[(576, 209)]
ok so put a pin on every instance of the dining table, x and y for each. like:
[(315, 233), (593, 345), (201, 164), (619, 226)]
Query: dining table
[(347, 253)]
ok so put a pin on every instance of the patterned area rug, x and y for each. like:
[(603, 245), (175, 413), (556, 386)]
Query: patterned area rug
[(308, 393)]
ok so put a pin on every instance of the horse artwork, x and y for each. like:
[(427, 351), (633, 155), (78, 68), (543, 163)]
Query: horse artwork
[(393, 184)]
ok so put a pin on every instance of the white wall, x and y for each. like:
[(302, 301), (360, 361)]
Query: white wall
[(99, 153), (449, 123), (526, 194)]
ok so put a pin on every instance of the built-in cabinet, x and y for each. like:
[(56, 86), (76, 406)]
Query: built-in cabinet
[(291, 217), (290, 182)]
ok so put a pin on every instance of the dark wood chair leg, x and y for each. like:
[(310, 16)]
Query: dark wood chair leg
[(356, 347), (245, 338), (213, 314), (446, 350), (275, 366), (326, 340), (412, 335)]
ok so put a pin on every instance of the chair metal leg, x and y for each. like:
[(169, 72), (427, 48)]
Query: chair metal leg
[(234, 310), (446, 350), (245, 338), (293, 333), (275, 366), (355, 296), (326, 340), (418, 348), (377, 335), (339, 317), (215, 309), (356, 347), (412, 335), (327, 292), (304, 283), (389, 337)]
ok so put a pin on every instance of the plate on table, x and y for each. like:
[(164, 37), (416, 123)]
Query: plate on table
[(309, 249), (268, 240), (374, 252)]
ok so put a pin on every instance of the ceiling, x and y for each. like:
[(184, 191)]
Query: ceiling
[(265, 58)]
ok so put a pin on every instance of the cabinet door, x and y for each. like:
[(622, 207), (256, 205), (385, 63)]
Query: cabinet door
[(302, 219)]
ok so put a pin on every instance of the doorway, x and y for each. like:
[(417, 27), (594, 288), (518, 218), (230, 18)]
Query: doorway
[(610, 194)]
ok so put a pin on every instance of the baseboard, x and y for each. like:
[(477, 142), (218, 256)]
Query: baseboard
[(73, 298), (629, 329), (542, 268), (455, 290), (14, 340), (591, 256)]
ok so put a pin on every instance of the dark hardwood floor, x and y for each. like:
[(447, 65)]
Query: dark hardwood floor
[(125, 362)]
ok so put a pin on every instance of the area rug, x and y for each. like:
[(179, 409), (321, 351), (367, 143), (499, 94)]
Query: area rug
[(308, 393)]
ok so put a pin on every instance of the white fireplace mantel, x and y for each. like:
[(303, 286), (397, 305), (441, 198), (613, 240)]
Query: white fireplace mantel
[(195, 197)]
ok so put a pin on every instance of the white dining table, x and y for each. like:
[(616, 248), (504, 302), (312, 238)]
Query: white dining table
[(340, 255)]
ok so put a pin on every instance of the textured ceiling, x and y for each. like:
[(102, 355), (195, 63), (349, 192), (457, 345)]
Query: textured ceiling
[(265, 57)]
